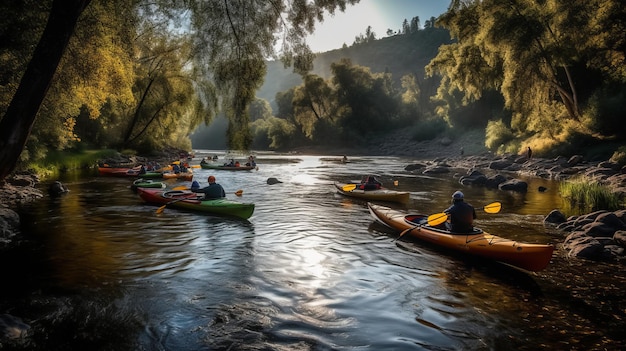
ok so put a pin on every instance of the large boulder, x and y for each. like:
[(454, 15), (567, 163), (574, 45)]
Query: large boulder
[(514, 185), (555, 217), (57, 189), (9, 225)]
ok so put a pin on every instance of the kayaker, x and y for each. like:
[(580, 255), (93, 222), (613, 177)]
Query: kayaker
[(195, 185), (370, 183), (461, 213), (212, 191), (251, 161)]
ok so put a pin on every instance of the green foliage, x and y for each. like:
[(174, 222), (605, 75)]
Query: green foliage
[(585, 195), (273, 133), (147, 88), (545, 58), (56, 162), (606, 109), (497, 134)]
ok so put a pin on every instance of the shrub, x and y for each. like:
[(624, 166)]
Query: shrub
[(497, 134), (585, 195)]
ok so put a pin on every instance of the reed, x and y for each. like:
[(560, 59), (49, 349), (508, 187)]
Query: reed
[(584, 195)]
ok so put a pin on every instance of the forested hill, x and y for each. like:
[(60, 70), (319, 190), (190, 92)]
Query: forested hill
[(546, 75), (399, 55)]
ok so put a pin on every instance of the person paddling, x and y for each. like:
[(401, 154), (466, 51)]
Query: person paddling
[(461, 214), (212, 191)]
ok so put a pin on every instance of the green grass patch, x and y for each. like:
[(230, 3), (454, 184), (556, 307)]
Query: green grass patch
[(57, 162), (584, 196)]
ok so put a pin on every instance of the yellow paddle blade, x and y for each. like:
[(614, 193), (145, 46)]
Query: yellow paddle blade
[(182, 187), (239, 192), (437, 219), (349, 187), (195, 166), (160, 209), (493, 207)]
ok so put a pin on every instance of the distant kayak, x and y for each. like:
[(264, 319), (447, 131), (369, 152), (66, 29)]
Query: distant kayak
[(180, 176), (210, 165), (377, 195), (188, 200), (146, 183), (127, 172)]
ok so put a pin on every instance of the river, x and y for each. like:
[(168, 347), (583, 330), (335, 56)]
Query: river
[(310, 270)]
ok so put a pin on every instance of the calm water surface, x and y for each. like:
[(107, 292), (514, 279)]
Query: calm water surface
[(310, 270)]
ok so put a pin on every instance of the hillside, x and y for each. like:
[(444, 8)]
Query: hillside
[(398, 55)]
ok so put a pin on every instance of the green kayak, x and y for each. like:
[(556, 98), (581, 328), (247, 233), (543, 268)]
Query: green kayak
[(146, 183), (188, 200)]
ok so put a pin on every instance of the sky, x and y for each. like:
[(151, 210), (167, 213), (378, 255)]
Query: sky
[(343, 27)]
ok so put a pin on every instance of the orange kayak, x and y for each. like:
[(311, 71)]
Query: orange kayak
[(531, 257), (180, 176)]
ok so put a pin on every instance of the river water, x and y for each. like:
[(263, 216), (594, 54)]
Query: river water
[(310, 270)]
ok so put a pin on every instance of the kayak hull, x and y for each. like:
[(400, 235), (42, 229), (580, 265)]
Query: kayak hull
[(181, 176), (531, 257), (226, 168), (388, 195), (146, 183), (188, 200), (126, 172)]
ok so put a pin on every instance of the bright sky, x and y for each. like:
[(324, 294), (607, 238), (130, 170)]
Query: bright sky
[(343, 27)]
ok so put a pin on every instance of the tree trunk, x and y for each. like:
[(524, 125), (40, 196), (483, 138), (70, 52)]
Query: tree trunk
[(135, 119), (17, 123)]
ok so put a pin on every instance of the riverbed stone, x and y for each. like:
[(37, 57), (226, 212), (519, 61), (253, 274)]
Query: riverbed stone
[(555, 217), (9, 225), (514, 185), (12, 327)]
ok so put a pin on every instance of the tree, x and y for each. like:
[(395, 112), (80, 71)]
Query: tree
[(366, 102), (232, 39), (415, 24), (314, 103), (545, 59), (18, 120)]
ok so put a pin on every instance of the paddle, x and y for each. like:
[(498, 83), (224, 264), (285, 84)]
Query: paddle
[(438, 218), (349, 187), (162, 208)]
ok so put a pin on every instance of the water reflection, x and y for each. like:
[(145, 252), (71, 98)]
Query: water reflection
[(309, 270)]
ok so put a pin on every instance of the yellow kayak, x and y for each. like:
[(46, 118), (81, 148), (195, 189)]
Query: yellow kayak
[(531, 257), (375, 195)]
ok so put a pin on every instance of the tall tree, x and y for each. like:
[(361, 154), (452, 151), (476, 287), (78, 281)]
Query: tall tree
[(232, 37), (538, 55), (18, 120)]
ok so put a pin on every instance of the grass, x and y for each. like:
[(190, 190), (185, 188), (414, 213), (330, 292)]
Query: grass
[(57, 162), (584, 196)]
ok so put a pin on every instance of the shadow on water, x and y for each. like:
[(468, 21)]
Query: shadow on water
[(310, 270), (467, 265)]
